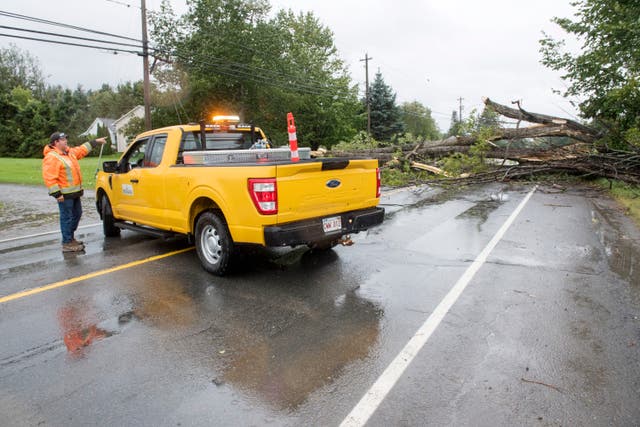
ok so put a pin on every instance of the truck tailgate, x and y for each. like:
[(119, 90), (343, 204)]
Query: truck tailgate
[(325, 187)]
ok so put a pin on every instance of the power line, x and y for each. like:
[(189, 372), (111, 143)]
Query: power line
[(288, 85), (220, 68), (233, 69), (224, 67), (71, 44), (121, 3), (68, 36), (59, 24)]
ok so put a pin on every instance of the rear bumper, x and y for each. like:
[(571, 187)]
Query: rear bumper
[(311, 231)]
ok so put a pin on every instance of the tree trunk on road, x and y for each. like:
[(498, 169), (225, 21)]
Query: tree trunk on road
[(582, 157)]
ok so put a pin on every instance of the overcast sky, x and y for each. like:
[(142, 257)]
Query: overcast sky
[(431, 51)]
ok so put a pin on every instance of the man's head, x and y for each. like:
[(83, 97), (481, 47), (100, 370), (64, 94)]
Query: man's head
[(59, 140)]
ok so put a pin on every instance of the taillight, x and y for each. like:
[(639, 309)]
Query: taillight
[(264, 194), (378, 179)]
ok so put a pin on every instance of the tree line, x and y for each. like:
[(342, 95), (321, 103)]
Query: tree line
[(234, 56), (30, 110), (222, 56)]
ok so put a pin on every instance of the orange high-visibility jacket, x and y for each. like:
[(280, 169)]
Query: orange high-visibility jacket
[(61, 171)]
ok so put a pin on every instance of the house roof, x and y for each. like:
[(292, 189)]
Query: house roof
[(111, 123), (129, 113), (107, 122), (103, 121)]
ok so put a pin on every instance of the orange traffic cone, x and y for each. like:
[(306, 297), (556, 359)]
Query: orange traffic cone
[(293, 139)]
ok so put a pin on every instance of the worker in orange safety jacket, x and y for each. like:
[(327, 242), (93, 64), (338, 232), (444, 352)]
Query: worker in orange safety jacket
[(61, 174)]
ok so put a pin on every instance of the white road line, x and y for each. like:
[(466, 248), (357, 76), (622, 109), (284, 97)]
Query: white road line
[(361, 413), (46, 233)]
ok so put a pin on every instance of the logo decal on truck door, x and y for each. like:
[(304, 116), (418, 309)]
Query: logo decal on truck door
[(127, 189), (333, 183)]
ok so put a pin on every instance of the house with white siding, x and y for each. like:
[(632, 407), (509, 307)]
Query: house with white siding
[(119, 140), (122, 139), (104, 123)]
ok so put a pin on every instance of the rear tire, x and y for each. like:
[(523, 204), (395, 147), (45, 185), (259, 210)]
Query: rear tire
[(108, 221), (213, 243)]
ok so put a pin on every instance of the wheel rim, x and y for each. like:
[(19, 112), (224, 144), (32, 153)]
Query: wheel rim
[(210, 244)]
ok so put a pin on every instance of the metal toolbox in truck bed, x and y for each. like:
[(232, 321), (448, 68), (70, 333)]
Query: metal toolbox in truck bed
[(217, 157)]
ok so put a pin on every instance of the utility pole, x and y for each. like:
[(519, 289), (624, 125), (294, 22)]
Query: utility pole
[(366, 91), (145, 62), (460, 101)]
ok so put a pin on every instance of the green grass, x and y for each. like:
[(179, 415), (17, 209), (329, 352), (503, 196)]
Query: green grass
[(626, 194), (29, 171), (395, 177)]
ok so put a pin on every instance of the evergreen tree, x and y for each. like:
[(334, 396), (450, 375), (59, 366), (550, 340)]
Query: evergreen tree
[(488, 119), (385, 114), (455, 129)]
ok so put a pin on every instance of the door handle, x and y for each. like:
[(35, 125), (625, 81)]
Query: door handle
[(135, 181)]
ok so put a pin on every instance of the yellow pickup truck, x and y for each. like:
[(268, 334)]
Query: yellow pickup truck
[(222, 185)]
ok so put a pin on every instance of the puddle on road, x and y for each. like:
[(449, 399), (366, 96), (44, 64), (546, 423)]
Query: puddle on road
[(80, 325), (310, 353), (480, 211), (621, 250)]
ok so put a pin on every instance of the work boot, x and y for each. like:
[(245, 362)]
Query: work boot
[(71, 247), (77, 242)]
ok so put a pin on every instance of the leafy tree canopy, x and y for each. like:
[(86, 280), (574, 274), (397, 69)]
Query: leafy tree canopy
[(229, 56), (30, 111), (605, 72), (418, 121), (24, 117), (19, 68)]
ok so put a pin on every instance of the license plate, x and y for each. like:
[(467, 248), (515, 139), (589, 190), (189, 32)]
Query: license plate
[(332, 224)]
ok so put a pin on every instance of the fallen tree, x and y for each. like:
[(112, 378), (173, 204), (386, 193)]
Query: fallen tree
[(584, 156)]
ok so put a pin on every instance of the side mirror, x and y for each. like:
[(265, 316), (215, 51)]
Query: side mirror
[(110, 166)]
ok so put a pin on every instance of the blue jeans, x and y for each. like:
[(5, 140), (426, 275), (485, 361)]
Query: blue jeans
[(70, 213)]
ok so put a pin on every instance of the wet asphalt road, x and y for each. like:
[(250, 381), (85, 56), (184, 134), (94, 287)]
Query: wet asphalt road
[(547, 332)]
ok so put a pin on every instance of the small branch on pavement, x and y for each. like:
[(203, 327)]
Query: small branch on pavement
[(541, 383)]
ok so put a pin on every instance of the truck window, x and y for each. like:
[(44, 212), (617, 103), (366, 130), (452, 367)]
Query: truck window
[(190, 142), (157, 150), (215, 140), (135, 156), (237, 140), (228, 141)]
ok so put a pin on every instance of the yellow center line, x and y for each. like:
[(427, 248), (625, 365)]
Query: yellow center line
[(73, 280)]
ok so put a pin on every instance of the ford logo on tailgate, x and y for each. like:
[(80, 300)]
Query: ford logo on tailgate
[(333, 183)]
